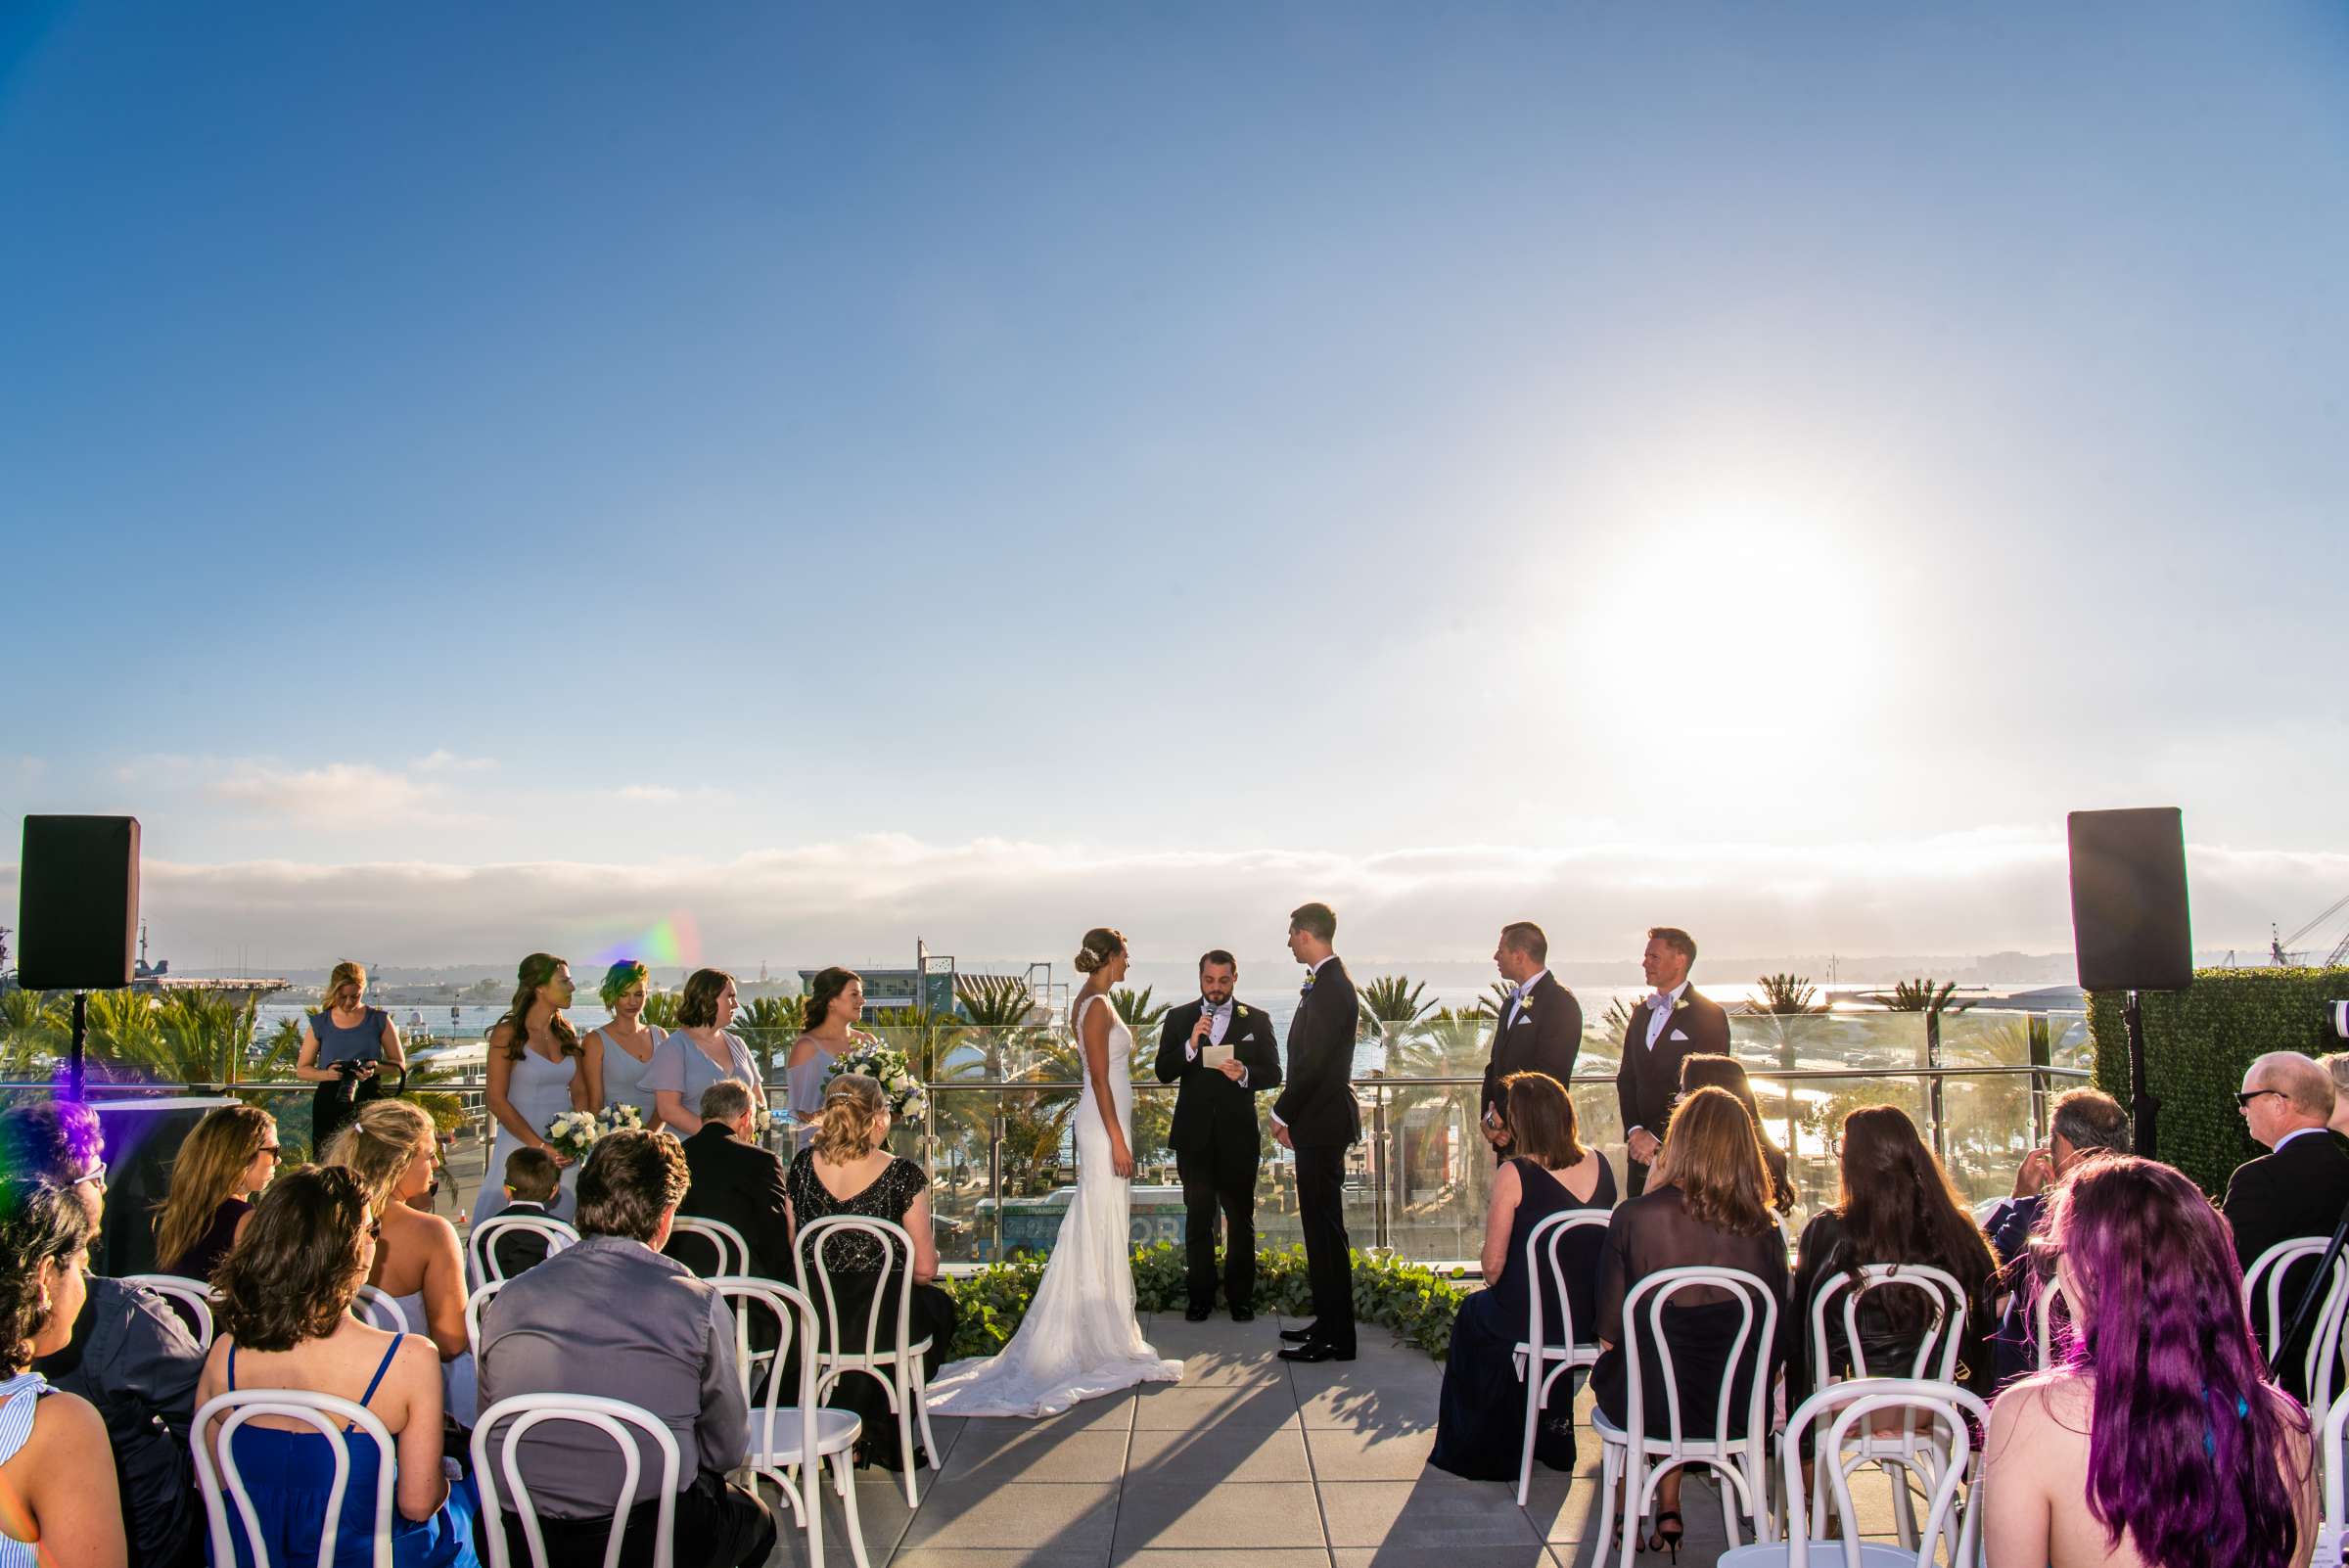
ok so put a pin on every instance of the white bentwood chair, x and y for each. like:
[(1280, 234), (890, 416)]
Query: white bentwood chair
[(733, 1253), (1935, 1361), (191, 1298), (497, 1462), (2043, 1320), (2332, 1459), (802, 1435), (2270, 1304), (893, 1360), (473, 1319), (216, 1463), (483, 1254), (1844, 1414), (378, 1307), (1549, 1352), (1636, 1460)]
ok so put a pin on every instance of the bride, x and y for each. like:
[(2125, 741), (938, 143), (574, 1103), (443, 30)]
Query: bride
[(1079, 1339)]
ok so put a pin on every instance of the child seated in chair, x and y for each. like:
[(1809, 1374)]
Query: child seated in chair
[(530, 1182)]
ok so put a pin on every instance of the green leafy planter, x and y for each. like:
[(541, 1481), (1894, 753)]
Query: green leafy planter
[(1413, 1300)]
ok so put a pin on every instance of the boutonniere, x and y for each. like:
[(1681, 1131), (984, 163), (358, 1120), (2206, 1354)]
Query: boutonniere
[(1678, 1002), (1239, 1011), (1307, 989), (1525, 1010)]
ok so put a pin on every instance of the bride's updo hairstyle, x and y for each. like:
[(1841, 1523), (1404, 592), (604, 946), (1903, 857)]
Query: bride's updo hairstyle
[(846, 1129), (1101, 946)]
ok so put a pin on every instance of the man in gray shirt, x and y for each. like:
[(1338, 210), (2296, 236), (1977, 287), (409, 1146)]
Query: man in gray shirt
[(611, 1317)]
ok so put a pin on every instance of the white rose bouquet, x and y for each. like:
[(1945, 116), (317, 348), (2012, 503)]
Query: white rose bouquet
[(620, 1116), (573, 1134), (908, 1101)]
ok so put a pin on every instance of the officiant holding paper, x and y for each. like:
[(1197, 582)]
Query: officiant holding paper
[(1223, 1054)]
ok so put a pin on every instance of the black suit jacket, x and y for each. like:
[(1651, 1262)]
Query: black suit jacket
[(520, 1250), (2299, 1190), (1545, 1038), (740, 1184), (1318, 1104), (1210, 1110), (1647, 1085)]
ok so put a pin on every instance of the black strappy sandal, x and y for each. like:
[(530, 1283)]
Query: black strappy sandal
[(1667, 1540)]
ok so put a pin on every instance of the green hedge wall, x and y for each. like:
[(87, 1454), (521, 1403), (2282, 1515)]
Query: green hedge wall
[(2197, 1044)]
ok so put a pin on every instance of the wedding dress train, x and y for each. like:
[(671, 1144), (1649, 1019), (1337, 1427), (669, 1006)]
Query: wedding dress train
[(1079, 1339)]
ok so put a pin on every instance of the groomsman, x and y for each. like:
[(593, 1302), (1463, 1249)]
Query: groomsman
[(1316, 1117), (1541, 1028), (1674, 1023), (1218, 1149)]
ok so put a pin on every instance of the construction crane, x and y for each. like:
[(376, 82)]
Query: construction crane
[(2279, 948)]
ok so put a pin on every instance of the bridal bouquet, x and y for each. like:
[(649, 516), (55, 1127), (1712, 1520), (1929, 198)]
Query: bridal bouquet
[(620, 1116), (908, 1102), (573, 1134)]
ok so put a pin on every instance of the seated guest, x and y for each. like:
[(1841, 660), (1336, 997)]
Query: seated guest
[(1706, 1203), (58, 1503), (130, 1353), (224, 1160), (286, 1322), (613, 1318), (2300, 1188), (532, 1179), (1549, 1172), (390, 1147), (2159, 1441), (2086, 1124), (1896, 1207), (737, 1183), (844, 1169), (1710, 1069)]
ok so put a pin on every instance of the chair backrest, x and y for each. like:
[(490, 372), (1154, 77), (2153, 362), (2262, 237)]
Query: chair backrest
[(2269, 1303), (2043, 1320), (1756, 1331), (1546, 1265), (483, 1252), (897, 1263), (216, 1463), (191, 1298), (473, 1317), (733, 1253), (497, 1463), (1940, 1413), (2335, 1463), (378, 1307), (1944, 1333), (794, 1322)]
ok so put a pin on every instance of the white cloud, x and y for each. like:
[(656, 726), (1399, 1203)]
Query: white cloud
[(648, 792), (339, 793), (444, 761), (997, 898)]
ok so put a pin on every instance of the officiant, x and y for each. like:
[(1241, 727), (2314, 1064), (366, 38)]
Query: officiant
[(1223, 1054)]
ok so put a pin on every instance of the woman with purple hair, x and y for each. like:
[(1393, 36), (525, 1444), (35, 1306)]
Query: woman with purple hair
[(2157, 1438)]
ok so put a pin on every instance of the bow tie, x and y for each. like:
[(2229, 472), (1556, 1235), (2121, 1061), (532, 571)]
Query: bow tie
[(1660, 1000), (1516, 994)]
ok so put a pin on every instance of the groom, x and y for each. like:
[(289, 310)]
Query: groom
[(1316, 1119), (1217, 1147)]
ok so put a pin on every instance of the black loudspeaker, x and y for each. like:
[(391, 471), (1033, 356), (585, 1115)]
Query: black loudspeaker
[(77, 902), (2130, 930), (142, 1140)]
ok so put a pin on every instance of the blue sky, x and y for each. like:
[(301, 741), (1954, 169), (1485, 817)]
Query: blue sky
[(839, 470)]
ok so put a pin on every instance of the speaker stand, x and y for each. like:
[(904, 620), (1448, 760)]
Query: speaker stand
[(81, 1036), (2144, 1109)]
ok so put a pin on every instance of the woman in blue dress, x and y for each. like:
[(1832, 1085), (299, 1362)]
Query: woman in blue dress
[(346, 1031), (534, 1077), (699, 1052), (284, 1323), (57, 1476), (620, 1054)]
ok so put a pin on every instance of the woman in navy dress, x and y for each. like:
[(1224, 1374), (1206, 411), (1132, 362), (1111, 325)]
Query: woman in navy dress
[(1551, 1173), (285, 1322), (346, 1031)]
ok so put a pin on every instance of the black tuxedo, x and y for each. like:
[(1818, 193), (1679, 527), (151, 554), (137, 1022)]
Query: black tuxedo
[(1218, 1148), (2299, 1190), (1544, 1036), (1318, 1109), (516, 1250), (1647, 1085), (740, 1184)]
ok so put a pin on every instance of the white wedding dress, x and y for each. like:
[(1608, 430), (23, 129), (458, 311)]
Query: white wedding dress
[(1079, 1339)]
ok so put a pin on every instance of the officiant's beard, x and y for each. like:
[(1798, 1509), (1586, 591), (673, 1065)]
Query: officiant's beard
[(1215, 996)]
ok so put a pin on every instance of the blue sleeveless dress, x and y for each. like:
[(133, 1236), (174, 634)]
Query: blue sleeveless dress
[(331, 1110), (289, 1475), (19, 1396)]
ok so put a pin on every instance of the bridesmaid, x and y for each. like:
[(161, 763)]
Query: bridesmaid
[(534, 1077), (835, 1002), (699, 1052), (617, 1055)]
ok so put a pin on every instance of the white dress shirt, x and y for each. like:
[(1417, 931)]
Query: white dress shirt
[(1660, 1017), (1517, 1003), (1218, 1023)]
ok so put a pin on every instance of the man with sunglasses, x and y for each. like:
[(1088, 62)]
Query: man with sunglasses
[(131, 1354), (2301, 1188)]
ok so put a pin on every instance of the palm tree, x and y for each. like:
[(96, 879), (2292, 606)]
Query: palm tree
[(660, 1008), (1787, 996), (35, 1025), (1496, 999), (1142, 1015), (1920, 997), (767, 1024), (1394, 1000)]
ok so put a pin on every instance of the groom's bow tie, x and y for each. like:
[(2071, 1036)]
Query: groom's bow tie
[(1660, 1000)]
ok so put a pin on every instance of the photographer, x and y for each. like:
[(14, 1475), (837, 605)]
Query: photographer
[(344, 1048)]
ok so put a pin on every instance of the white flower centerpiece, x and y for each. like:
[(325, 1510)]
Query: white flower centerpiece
[(908, 1101), (573, 1134)]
